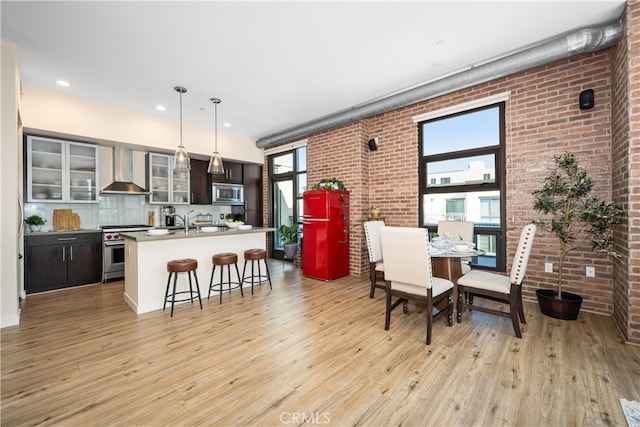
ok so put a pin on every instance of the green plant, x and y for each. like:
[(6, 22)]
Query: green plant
[(572, 213), (288, 233), (329, 184), (229, 216), (34, 220)]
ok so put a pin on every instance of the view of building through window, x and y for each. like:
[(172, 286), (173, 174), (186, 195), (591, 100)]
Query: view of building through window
[(460, 172)]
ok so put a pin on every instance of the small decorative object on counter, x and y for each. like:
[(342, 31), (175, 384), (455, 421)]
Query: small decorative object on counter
[(35, 222), (375, 212)]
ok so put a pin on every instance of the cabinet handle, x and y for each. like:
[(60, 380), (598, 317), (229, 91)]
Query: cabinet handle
[(67, 238), (64, 253), (70, 253)]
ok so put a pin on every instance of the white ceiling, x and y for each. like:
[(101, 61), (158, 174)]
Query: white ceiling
[(274, 64)]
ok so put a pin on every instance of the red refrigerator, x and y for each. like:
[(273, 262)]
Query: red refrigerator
[(325, 234)]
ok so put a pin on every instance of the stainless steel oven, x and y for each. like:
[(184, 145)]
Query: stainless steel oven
[(113, 249)]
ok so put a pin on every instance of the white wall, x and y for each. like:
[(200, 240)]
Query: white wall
[(56, 112), (10, 187)]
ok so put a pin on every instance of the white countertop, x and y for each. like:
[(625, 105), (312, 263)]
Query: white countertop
[(143, 236)]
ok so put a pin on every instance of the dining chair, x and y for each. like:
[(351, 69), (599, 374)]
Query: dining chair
[(407, 271), (498, 287), (459, 230), (376, 265)]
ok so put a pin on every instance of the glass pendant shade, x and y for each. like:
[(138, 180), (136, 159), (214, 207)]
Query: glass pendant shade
[(215, 162), (181, 159)]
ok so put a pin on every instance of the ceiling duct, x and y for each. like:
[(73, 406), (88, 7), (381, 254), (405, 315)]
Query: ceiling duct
[(585, 40)]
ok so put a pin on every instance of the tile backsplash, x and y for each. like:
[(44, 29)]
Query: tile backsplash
[(116, 210)]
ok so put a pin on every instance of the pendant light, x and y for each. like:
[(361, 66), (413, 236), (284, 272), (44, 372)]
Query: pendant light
[(215, 162), (181, 158)]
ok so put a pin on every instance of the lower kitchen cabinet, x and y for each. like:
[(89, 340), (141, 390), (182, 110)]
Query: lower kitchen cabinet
[(57, 260)]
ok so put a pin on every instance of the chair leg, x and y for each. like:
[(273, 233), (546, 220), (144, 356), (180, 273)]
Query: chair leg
[(450, 310), (190, 287), (460, 305), (429, 318), (515, 312), (372, 279), (387, 316), (520, 306)]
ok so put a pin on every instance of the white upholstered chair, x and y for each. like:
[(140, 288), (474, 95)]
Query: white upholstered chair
[(407, 270), (376, 265), (459, 230), (498, 287)]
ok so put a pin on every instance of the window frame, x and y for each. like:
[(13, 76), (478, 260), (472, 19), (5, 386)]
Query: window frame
[(499, 183)]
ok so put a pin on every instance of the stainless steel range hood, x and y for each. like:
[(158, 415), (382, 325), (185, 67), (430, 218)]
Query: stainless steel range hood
[(123, 174)]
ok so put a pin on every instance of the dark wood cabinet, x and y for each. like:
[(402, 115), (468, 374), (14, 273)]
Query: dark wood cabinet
[(232, 173), (62, 260), (200, 182), (252, 181)]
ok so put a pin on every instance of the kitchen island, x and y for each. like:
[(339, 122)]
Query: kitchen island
[(146, 260)]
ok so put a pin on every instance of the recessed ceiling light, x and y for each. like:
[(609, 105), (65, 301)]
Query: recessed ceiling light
[(63, 83), (160, 108), (227, 124)]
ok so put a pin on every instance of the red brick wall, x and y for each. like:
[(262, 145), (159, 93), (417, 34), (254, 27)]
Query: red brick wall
[(626, 160), (542, 119)]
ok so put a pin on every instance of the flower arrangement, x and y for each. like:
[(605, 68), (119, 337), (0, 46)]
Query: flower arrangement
[(329, 184)]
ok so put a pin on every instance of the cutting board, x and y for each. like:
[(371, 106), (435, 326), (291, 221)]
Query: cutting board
[(65, 219)]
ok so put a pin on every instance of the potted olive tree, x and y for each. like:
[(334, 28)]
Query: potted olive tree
[(576, 218), (288, 237)]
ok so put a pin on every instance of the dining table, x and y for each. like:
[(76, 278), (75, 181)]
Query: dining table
[(446, 263)]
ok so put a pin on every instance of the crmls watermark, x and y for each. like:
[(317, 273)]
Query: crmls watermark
[(305, 418)]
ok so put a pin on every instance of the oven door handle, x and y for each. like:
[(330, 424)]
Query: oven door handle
[(108, 244)]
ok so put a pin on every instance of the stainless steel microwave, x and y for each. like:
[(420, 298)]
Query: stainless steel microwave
[(227, 194)]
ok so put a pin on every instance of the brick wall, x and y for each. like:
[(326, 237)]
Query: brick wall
[(626, 164), (543, 119)]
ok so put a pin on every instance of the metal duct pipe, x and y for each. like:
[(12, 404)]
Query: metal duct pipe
[(585, 40)]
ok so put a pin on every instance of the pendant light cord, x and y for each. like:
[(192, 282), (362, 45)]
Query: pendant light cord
[(181, 146)]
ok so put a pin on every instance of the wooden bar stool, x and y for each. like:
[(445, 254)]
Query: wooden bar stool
[(255, 255), (174, 267), (222, 259)]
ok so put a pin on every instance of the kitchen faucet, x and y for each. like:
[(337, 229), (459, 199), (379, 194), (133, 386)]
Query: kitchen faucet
[(185, 220)]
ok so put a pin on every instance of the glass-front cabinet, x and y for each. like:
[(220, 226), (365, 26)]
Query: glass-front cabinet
[(167, 185), (61, 171)]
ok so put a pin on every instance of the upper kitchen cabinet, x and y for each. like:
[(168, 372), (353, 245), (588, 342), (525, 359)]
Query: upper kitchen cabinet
[(232, 173), (61, 171), (200, 182), (165, 184)]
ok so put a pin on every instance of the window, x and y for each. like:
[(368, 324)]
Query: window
[(461, 171), (287, 181)]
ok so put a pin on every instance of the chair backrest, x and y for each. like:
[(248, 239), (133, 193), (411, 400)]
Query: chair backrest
[(372, 234), (521, 257), (406, 256), (457, 229)]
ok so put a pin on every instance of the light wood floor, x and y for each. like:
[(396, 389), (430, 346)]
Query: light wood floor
[(306, 352)]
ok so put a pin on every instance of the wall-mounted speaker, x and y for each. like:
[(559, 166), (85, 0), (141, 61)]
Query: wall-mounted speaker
[(587, 99), (373, 144)]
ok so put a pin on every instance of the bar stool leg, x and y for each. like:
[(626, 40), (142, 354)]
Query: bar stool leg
[(266, 266), (239, 279), (198, 289), (173, 298), (166, 292), (211, 281)]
